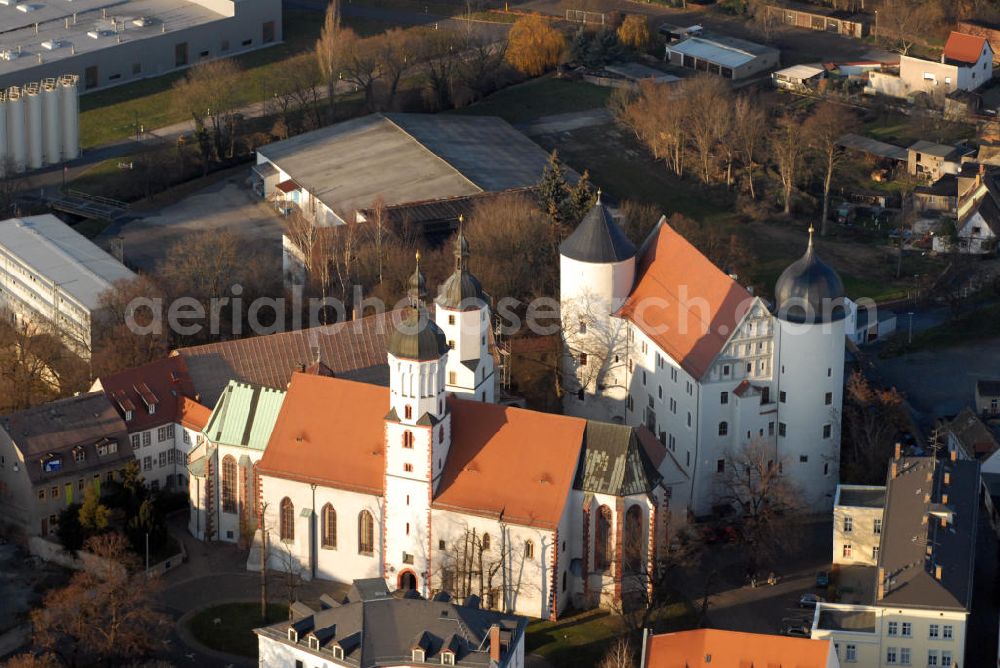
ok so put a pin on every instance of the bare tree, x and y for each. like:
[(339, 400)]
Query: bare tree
[(480, 64), (658, 117), (823, 130), (210, 94), (103, 614), (764, 19), (396, 54), (754, 485), (329, 55), (749, 132), (788, 150), (125, 335), (597, 344), (909, 21), (437, 52), (362, 65), (620, 655), (708, 99), (872, 416)]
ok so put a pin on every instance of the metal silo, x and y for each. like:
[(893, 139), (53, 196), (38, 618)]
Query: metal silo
[(35, 123), (52, 108), (68, 84), (3, 133), (17, 133)]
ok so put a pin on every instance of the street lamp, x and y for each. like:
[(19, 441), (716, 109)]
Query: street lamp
[(909, 338)]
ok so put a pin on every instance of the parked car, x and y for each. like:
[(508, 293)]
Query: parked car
[(810, 600), (796, 631), (823, 579)]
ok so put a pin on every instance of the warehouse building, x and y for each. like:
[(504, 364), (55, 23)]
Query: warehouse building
[(109, 42), (726, 56), (53, 276)]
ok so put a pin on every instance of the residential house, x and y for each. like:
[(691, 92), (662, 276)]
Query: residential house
[(729, 57), (711, 648), (966, 64), (969, 437), (932, 161), (163, 417), (978, 217), (52, 277), (50, 454), (374, 628), (912, 606), (797, 77), (988, 398), (940, 196), (869, 324), (857, 524), (988, 31)]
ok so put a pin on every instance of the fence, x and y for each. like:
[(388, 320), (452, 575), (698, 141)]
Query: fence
[(583, 16)]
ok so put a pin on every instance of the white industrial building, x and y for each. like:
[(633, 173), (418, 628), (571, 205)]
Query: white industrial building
[(52, 277), (39, 124), (726, 56), (110, 42)]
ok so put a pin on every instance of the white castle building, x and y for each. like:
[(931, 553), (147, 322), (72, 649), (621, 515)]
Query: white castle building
[(661, 337)]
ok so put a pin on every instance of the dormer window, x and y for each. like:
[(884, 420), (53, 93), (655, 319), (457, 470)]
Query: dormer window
[(338, 652), (419, 655), (447, 658), (79, 455), (148, 397), (293, 635), (314, 643)]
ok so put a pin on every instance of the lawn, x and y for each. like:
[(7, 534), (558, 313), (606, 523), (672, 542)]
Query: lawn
[(109, 115), (582, 639), (545, 96), (234, 634), (981, 324)]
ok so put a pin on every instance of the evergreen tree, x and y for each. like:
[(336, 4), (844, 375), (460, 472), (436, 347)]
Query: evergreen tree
[(579, 47), (581, 198), (553, 190)]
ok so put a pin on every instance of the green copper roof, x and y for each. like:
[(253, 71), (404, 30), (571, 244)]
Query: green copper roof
[(244, 416)]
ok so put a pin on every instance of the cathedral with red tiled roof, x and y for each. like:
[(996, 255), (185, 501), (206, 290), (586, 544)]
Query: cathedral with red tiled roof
[(429, 484)]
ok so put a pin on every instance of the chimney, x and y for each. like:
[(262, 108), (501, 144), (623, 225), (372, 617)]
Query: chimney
[(880, 593), (495, 643), (898, 448), (892, 471), (937, 572)]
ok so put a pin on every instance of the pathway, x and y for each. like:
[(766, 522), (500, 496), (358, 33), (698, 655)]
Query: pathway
[(574, 120)]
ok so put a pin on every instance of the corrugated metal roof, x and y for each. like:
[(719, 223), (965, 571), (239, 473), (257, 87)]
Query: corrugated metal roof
[(62, 256), (244, 416), (713, 52)]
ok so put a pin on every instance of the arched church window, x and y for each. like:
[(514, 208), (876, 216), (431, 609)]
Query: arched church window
[(329, 517), (286, 524), (486, 542), (228, 484), (366, 533), (633, 536), (603, 548), (529, 550), (723, 428)]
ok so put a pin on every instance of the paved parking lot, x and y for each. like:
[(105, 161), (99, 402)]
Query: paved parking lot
[(736, 606), (229, 204)]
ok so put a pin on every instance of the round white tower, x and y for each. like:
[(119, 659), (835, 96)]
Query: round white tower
[(596, 273), (809, 312), (417, 438), (463, 314)]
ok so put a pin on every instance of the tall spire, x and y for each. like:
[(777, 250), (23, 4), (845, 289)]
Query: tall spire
[(461, 250), (417, 289)]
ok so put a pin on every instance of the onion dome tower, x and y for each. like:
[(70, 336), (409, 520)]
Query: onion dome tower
[(463, 314), (809, 314)]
